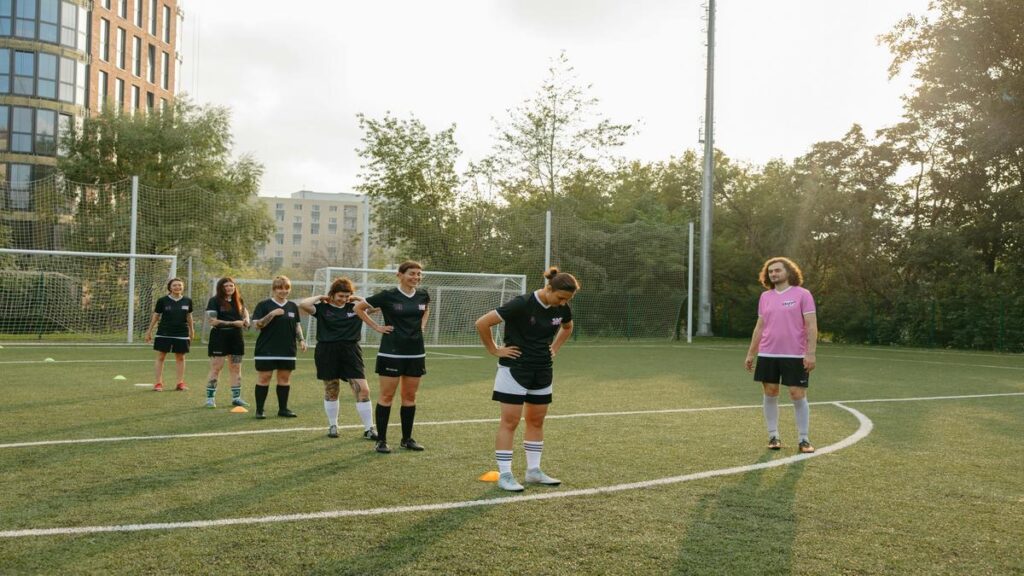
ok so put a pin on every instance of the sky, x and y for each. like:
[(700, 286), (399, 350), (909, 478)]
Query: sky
[(788, 73)]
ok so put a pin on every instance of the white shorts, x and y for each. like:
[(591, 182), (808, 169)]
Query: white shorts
[(508, 390)]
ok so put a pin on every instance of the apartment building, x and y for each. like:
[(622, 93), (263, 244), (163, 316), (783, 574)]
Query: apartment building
[(315, 229)]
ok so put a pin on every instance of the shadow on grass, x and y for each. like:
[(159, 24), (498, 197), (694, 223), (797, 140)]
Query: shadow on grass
[(747, 527)]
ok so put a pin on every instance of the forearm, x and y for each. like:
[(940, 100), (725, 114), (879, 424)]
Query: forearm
[(483, 329), (812, 339), (561, 337)]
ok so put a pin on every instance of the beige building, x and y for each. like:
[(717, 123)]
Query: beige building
[(316, 229)]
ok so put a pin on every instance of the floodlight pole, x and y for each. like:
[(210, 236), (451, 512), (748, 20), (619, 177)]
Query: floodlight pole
[(704, 311)]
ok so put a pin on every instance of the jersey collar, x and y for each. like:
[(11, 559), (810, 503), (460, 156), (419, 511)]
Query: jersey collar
[(539, 301)]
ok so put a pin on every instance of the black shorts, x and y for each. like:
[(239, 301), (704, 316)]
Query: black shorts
[(395, 367), (271, 365), (516, 385), (785, 371), (167, 344), (336, 360), (226, 343)]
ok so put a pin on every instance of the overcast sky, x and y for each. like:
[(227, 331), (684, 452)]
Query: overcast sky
[(789, 73)]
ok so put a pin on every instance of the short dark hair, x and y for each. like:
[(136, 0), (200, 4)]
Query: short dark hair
[(404, 266), (342, 284), (172, 281)]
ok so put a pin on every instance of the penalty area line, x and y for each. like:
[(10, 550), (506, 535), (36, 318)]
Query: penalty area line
[(862, 432)]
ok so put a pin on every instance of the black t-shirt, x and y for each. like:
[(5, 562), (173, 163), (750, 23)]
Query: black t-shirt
[(337, 324), (174, 316), (226, 312), (531, 327), (277, 339), (404, 313)]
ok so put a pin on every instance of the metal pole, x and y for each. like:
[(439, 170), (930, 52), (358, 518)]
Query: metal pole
[(366, 233), (689, 291), (547, 240), (131, 259), (704, 320)]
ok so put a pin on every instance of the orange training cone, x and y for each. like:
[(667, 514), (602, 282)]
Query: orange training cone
[(491, 476), (239, 410)]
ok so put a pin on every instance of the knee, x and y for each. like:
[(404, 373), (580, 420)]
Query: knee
[(797, 393)]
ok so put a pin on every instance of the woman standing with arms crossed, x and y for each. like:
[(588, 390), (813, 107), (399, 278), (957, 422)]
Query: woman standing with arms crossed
[(401, 360), (228, 316), (338, 355), (172, 318), (277, 319), (536, 326)]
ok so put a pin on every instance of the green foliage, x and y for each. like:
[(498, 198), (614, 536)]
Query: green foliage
[(194, 199)]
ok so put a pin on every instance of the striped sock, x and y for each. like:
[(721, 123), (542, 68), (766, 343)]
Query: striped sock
[(533, 451), (504, 458), (236, 391), (211, 388)]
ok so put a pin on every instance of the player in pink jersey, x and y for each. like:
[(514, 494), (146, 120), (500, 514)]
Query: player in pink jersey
[(784, 343)]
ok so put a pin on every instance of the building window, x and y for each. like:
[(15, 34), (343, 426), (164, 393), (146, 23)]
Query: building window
[(80, 78), (135, 98), (119, 93), (333, 208), (332, 225), (351, 213), (297, 227), (104, 40), (5, 70), (296, 254), (314, 228), (21, 130), (167, 24), (46, 132), (150, 102), (279, 206), (163, 104), (315, 216), (21, 176), (315, 208), (165, 70), (138, 13), (48, 13), (297, 219), (24, 73), (151, 64), (278, 253), (101, 90), (6, 12), (5, 134), (136, 55), (152, 17), (120, 48), (47, 86), (25, 24), (296, 239), (122, 8), (279, 215), (279, 239), (297, 206), (106, 4), (68, 24), (67, 80), (63, 127)]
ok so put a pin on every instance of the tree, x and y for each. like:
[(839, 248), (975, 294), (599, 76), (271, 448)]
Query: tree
[(194, 198), (551, 137)]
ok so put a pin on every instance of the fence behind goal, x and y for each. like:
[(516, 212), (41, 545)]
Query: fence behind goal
[(457, 299), (55, 294)]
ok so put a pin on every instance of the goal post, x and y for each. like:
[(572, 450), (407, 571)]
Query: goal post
[(96, 295), (457, 299)]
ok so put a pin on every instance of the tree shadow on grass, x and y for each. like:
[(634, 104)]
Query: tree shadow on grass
[(747, 527)]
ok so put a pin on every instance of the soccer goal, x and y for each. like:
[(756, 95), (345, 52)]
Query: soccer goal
[(457, 299), (88, 296)]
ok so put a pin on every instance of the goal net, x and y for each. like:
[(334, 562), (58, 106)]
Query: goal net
[(457, 299), (47, 294)]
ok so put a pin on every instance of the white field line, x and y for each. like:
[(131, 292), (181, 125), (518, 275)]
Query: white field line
[(862, 431), (40, 443)]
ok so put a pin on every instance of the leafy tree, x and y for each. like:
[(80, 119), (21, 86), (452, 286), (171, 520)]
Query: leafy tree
[(181, 154)]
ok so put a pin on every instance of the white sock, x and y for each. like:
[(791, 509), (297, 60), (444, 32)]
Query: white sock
[(771, 415), (802, 411), (365, 410), (533, 452), (504, 458), (331, 407)]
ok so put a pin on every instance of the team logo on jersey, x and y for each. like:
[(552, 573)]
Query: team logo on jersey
[(397, 307), (350, 314), (788, 303), (423, 307), (556, 321), (533, 320)]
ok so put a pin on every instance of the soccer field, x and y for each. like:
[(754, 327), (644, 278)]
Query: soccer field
[(660, 447)]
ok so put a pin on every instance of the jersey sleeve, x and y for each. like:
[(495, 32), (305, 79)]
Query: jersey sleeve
[(761, 305), (212, 305), (316, 308), (512, 308), (260, 311), (807, 303), (566, 315), (377, 300), (188, 302), (158, 308)]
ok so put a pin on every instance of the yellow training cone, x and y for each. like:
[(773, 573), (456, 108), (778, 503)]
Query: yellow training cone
[(49, 360), (119, 377), (491, 476), (239, 410)]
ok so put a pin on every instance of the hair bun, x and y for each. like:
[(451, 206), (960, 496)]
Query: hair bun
[(551, 273)]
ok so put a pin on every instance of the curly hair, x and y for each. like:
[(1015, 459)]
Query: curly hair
[(796, 277)]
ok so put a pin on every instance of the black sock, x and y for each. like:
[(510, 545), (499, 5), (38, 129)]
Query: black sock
[(408, 414), (261, 397), (282, 397), (383, 415)]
